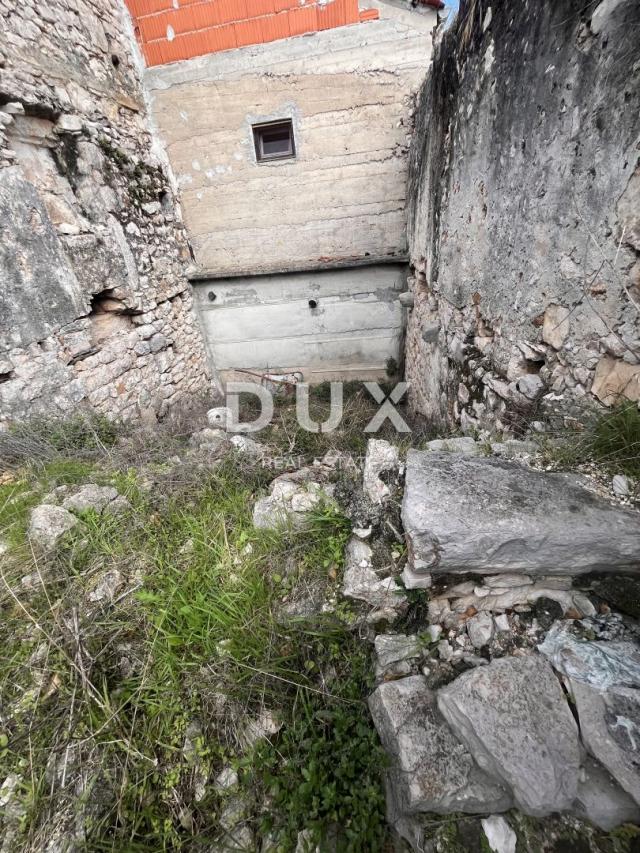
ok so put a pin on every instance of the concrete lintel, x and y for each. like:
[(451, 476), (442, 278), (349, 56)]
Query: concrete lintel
[(315, 266)]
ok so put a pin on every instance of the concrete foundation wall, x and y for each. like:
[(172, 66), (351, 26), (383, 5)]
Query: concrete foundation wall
[(338, 324), (523, 217), (95, 309), (349, 92)]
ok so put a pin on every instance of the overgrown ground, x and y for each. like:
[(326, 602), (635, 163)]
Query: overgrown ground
[(135, 657), (118, 714)]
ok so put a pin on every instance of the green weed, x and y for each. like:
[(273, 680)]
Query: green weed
[(611, 438)]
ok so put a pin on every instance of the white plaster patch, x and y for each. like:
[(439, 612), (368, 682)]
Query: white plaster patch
[(184, 116), (171, 34), (195, 165)]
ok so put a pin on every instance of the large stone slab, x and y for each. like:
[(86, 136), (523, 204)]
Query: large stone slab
[(431, 770), (469, 514), (610, 728), (515, 719)]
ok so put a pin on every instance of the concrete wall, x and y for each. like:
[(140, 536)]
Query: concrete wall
[(523, 217), (350, 93), (95, 309), (339, 324)]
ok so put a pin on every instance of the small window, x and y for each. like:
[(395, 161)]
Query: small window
[(274, 141)]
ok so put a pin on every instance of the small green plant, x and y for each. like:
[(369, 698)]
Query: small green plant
[(325, 774)]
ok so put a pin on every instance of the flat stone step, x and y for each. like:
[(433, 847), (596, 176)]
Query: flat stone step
[(480, 515)]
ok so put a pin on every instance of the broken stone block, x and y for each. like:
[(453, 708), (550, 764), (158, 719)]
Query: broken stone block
[(48, 524), (515, 720), (431, 771), (601, 801), (610, 728), (485, 515)]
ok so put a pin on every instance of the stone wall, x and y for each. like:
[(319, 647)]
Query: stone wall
[(94, 306), (349, 92), (524, 220)]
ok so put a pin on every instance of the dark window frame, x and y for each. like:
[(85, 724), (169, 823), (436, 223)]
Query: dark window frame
[(259, 131)]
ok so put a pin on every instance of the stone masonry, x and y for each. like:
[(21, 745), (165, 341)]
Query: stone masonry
[(95, 309), (523, 217)]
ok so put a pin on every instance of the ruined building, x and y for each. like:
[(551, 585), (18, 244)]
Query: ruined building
[(196, 191)]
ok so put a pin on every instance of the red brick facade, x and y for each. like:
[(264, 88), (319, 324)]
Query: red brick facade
[(170, 30)]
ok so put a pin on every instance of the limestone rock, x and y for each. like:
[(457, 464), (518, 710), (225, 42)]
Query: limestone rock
[(385, 595), (395, 649), (209, 440), (485, 515), (555, 327), (220, 417), (48, 524), (227, 778), (431, 770), (456, 444), (288, 502), (480, 629), (601, 801), (610, 727), (500, 837), (615, 380), (258, 728), (621, 592), (381, 458), (91, 496), (107, 586), (602, 665), (620, 486), (515, 719), (248, 446)]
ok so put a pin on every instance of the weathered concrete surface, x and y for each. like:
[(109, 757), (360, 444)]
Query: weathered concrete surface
[(431, 771), (483, 515), (523, 213), (514, 718), (349, 94), (95, 309), (271, 324)]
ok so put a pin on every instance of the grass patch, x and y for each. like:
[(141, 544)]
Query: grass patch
[(119, 710), (611, 438)]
